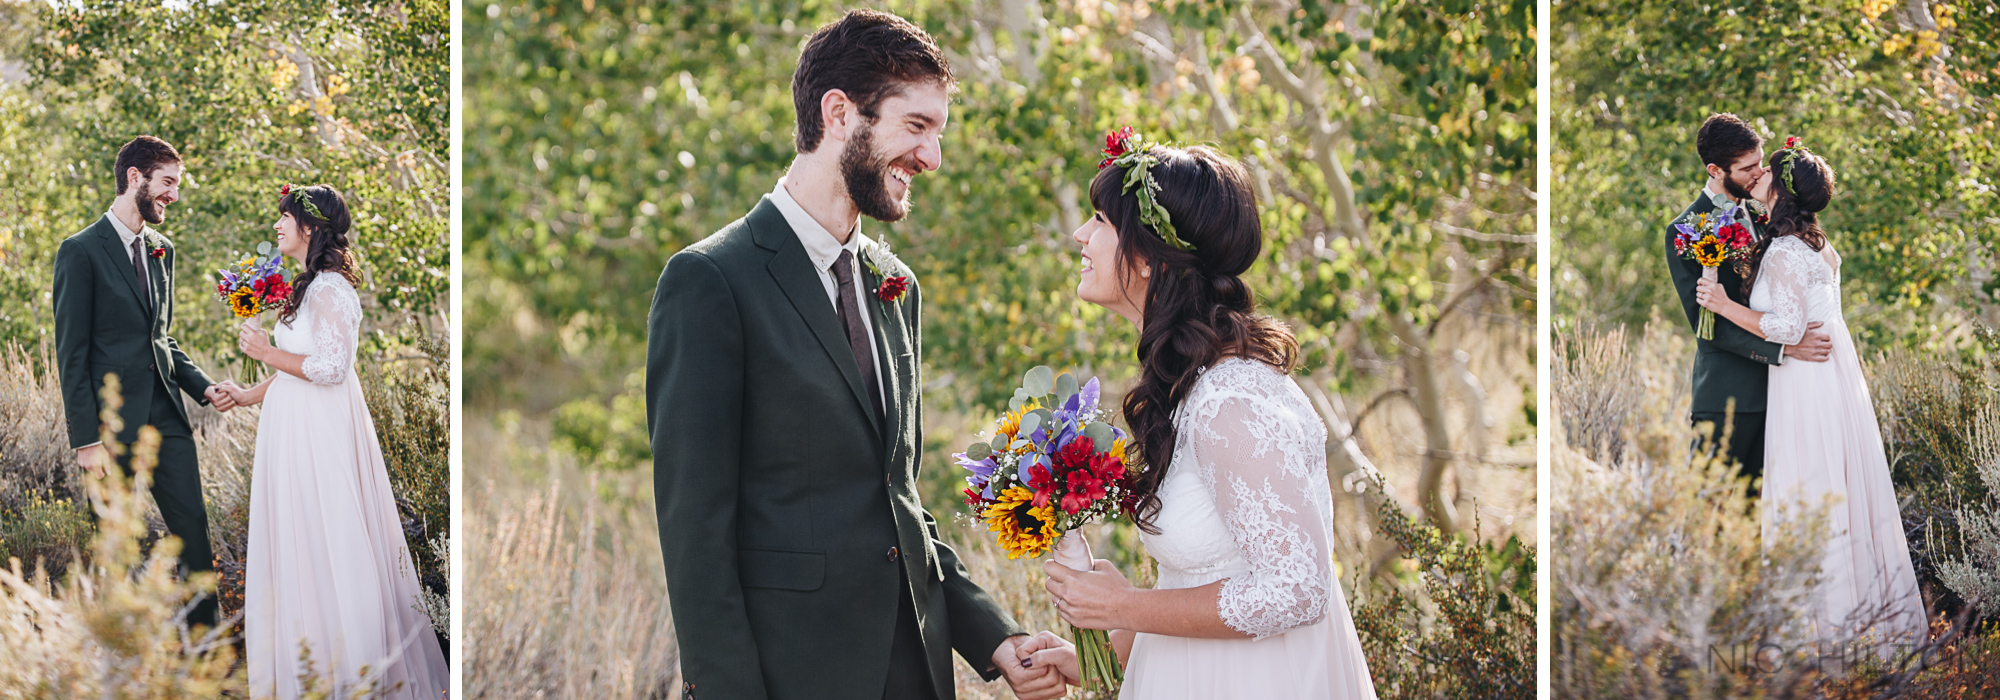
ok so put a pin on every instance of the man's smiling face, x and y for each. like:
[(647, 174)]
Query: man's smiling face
[(886, 153)]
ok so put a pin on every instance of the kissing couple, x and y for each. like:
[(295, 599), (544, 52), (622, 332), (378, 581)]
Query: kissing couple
[(328, 577), (784, 403), (1806, 427)]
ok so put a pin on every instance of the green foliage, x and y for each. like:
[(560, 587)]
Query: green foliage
[(1482, 644), (610, 438), (351, 94), (1940, 420), (1909, 126), (604, 137), (410, 400), (44, 532)]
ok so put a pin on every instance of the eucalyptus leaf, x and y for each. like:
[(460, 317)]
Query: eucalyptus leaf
[(1031, 421), (999, 443), (1100, 436), (264, 248), (1019, 443), (1040, 381), (1014, 404), (1066, 386), (978, 451)]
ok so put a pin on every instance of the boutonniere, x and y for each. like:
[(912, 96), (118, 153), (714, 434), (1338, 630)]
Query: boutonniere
[(1758, 213), (157, 249), (894, 275)]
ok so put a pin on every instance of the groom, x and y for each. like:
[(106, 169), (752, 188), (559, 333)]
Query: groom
[(1733, 366), (114, 301), (783, 396)]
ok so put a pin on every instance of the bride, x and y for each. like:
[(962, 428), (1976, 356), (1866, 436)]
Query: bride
[(1235, 503), (1820, 433), (329, 573)]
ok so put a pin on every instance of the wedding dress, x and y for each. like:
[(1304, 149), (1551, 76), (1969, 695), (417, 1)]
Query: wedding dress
[(327, 563), (1820, 439), (1247, 500)]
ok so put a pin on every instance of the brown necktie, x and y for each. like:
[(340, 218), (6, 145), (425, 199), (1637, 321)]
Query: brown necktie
[(857, 334), (139, 268)]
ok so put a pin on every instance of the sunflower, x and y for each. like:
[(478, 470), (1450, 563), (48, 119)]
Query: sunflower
[(1025, 530), (1010, 424), (243, 302), (1710, 252)]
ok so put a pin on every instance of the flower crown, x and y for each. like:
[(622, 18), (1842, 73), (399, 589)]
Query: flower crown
[(304, 200), (1126, 148), (1788, 157)]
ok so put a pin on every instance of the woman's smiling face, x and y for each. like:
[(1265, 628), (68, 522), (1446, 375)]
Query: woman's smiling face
[(291, 239), (1105, 279)]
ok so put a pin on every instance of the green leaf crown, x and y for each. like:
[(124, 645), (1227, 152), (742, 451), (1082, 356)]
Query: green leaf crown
[(1127, 149)]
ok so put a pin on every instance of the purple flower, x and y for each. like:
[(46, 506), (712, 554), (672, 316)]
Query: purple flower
[(982, 473)]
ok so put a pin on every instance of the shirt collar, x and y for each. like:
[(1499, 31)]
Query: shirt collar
[(125, 235), (820, 244)]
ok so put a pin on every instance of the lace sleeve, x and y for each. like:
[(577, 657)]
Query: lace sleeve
[(1785, 270), (335, 328), (1260, 463)]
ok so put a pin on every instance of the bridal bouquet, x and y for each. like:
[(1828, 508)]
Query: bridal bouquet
[(1053, 464), (254, 284), (1713, 238)]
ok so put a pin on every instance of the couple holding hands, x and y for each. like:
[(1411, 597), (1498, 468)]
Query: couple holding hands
[(328, 578), (784, 403)]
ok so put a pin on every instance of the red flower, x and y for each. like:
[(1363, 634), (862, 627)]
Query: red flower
[(1115, 145), (159, 253), (284, 189), (1792, 142), (892, 289), (972, 498), (1042, 483)]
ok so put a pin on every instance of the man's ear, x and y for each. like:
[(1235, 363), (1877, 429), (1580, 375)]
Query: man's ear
[(1715, 171), (836, 115), (133, 177)]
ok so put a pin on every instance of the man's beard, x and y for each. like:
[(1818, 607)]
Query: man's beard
[(149, 210), (1735, 190), (865, 172)]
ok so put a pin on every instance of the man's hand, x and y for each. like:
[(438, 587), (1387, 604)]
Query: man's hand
[(93, 459), (1816, 346), (1037, 683), (220, 398)]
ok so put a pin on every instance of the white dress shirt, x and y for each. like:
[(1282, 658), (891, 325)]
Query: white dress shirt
[(823, 249), (125, 238)]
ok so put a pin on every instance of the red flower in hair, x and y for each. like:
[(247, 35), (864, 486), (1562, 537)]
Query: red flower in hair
[(284, 189), (1115, 145), (1792, 142)]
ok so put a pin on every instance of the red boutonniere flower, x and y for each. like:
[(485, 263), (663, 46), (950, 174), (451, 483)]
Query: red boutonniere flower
[(158, 252), (892, 289)]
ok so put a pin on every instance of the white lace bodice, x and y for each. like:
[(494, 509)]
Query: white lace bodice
[(1246, 498), (1795, 286), (326, 330)]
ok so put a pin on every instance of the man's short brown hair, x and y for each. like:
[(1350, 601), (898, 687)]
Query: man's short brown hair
[(1723, 138), (870, 56), (145, 153)]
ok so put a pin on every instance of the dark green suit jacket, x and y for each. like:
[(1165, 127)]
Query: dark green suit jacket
[(1734, 364), (103, 326), (780, 494)]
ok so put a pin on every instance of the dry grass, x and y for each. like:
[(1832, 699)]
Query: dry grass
[(1664, 583)]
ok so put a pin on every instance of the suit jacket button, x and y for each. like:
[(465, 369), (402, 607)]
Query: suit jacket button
[(894, 555)]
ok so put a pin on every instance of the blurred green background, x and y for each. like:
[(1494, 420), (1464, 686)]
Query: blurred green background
[(1392, 144)]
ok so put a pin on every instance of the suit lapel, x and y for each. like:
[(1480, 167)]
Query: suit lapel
[(794, 274), (156, 274), (889, 341), (108, 235)]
